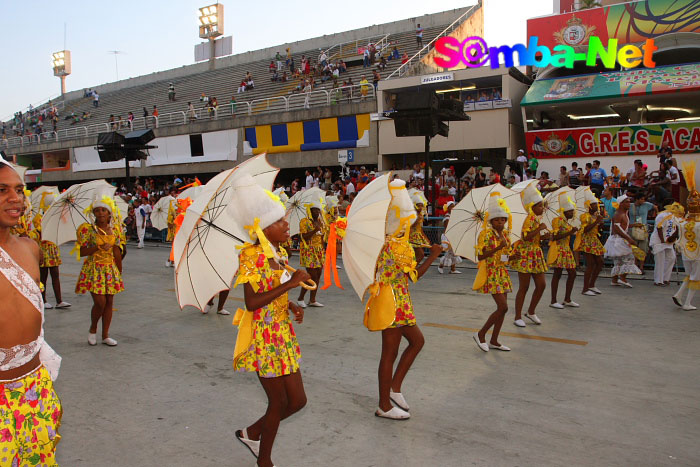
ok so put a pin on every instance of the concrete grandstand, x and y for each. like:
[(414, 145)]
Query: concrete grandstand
[(298, 129)]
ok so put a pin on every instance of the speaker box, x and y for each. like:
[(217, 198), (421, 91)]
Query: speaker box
[(110, 138), (140, 137), (423, 126), (416, 101)]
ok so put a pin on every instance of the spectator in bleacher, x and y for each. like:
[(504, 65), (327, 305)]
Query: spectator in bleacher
[(204, 99), (272, 68), (290, 62), (171, 92), (145, 117), (234, 106), (278, 58), (241, 88), (111, 123), (120, 122), (323, 59), (309, 180), (382, 64), (249, 84), (364, 86), (95, 99), (307, 91), (213, 108), (307, 67), (375, 79), (130, 119), (155, 114), (365, 58), (284, 77), (191, 113), (419, 35), (275, 76), (404, 58), (395, 55)]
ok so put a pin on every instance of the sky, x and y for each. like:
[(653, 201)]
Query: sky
[(157, 35)]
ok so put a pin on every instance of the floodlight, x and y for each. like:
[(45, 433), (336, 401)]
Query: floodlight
[(61, 64), (211, 21)]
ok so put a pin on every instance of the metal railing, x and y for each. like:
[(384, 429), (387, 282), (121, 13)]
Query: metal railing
[(294, 101), (418, 56), (380, 44), (41, 105)]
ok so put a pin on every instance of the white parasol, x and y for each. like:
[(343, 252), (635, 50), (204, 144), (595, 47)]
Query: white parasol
[(551, 207), (192, 192), (66, 214), (467, 218), (365, 233), (159, 215), (296, 206), (38, 193), (204, 249)]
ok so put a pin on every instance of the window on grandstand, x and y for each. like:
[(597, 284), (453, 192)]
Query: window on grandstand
[(196, 146)]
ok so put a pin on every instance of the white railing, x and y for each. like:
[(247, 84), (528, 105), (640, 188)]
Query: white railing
[(418, 56), (44, 103), (380, 42), (296, 101)]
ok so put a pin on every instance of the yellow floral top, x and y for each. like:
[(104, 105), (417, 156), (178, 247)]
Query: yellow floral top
[(560, 255), (530, 257), (307, 225), (417, 237), (395, 266), (589, 241)]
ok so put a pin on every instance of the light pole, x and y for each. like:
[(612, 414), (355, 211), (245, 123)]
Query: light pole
[(211, 26), (61, 67), (116, 64)]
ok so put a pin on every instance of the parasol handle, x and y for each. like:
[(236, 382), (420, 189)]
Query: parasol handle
[(308, 285)]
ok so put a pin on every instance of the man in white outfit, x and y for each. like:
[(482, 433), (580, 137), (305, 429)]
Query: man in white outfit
[(141, 212), (688, 243), (662, 240)]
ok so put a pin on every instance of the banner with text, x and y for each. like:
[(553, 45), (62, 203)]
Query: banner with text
[(641, 140)]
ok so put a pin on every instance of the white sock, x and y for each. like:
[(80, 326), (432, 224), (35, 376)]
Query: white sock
[(689, 298), (684, 286)]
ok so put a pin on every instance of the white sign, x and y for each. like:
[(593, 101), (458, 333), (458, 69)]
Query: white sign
[(379, 116), (438, 78), (501, 103), (468, 106), (342, 156), (484, 105)]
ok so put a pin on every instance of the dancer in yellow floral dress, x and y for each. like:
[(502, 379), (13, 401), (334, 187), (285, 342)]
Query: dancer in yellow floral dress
[(418, 239), (266, 342), (560, 256), (312, 252), (101, 274), (588, 242), (530, 262), (396, 264), (493, 252), (50, 258)]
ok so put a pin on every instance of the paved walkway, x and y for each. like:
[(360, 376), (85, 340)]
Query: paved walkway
[(614, 383)]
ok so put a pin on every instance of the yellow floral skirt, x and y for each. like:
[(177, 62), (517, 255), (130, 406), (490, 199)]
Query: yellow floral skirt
[(50, 255), (531, 259), (497, 280), (312, 256), (171, 234), (564, 260), (274, 350), (30, 414), (592, 245), (404, 306), (417, 238), (101, 279)]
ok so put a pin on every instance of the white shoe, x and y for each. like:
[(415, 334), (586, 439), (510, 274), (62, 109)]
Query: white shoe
[(572, 304), (440, 270), (338, 266), (533, 318), (206, 309), (616, 284), (482, 345), (519, 323), (301, 303), (595, 290), (47, 306), (316, 304), (589, 293), (139, 246), (456, 272), (625, 283), (63, 305), (689, 307), (109, 341), (557, 305), (167, 263), (394, 414), (499, 347), (254, 446), (397, 398), (223, 312), (92, 339)]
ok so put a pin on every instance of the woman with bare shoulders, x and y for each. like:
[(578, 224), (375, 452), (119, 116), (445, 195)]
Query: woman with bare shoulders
[(619, 245), (30, 410)]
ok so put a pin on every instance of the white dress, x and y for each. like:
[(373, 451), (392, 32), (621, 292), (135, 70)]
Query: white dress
[(617, 248)]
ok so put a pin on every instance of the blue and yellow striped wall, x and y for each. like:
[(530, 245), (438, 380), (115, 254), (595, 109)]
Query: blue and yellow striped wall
[(312, 135)]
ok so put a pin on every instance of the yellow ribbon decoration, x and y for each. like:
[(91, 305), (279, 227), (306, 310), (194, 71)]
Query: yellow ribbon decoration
[(256, 232)]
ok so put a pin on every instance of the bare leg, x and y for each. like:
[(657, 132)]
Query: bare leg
[(56, 283), (415, 339), (495, 319), (555, 283), (107, 315), (391, 338), (285, 397), (598, 261), (540, 285), (222, 299), (588, 273), (523, 285), (43, 275), (570, 281), (97, 311), (315, 274)]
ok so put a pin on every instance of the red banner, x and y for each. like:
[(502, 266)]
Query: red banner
[(641, 140)]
